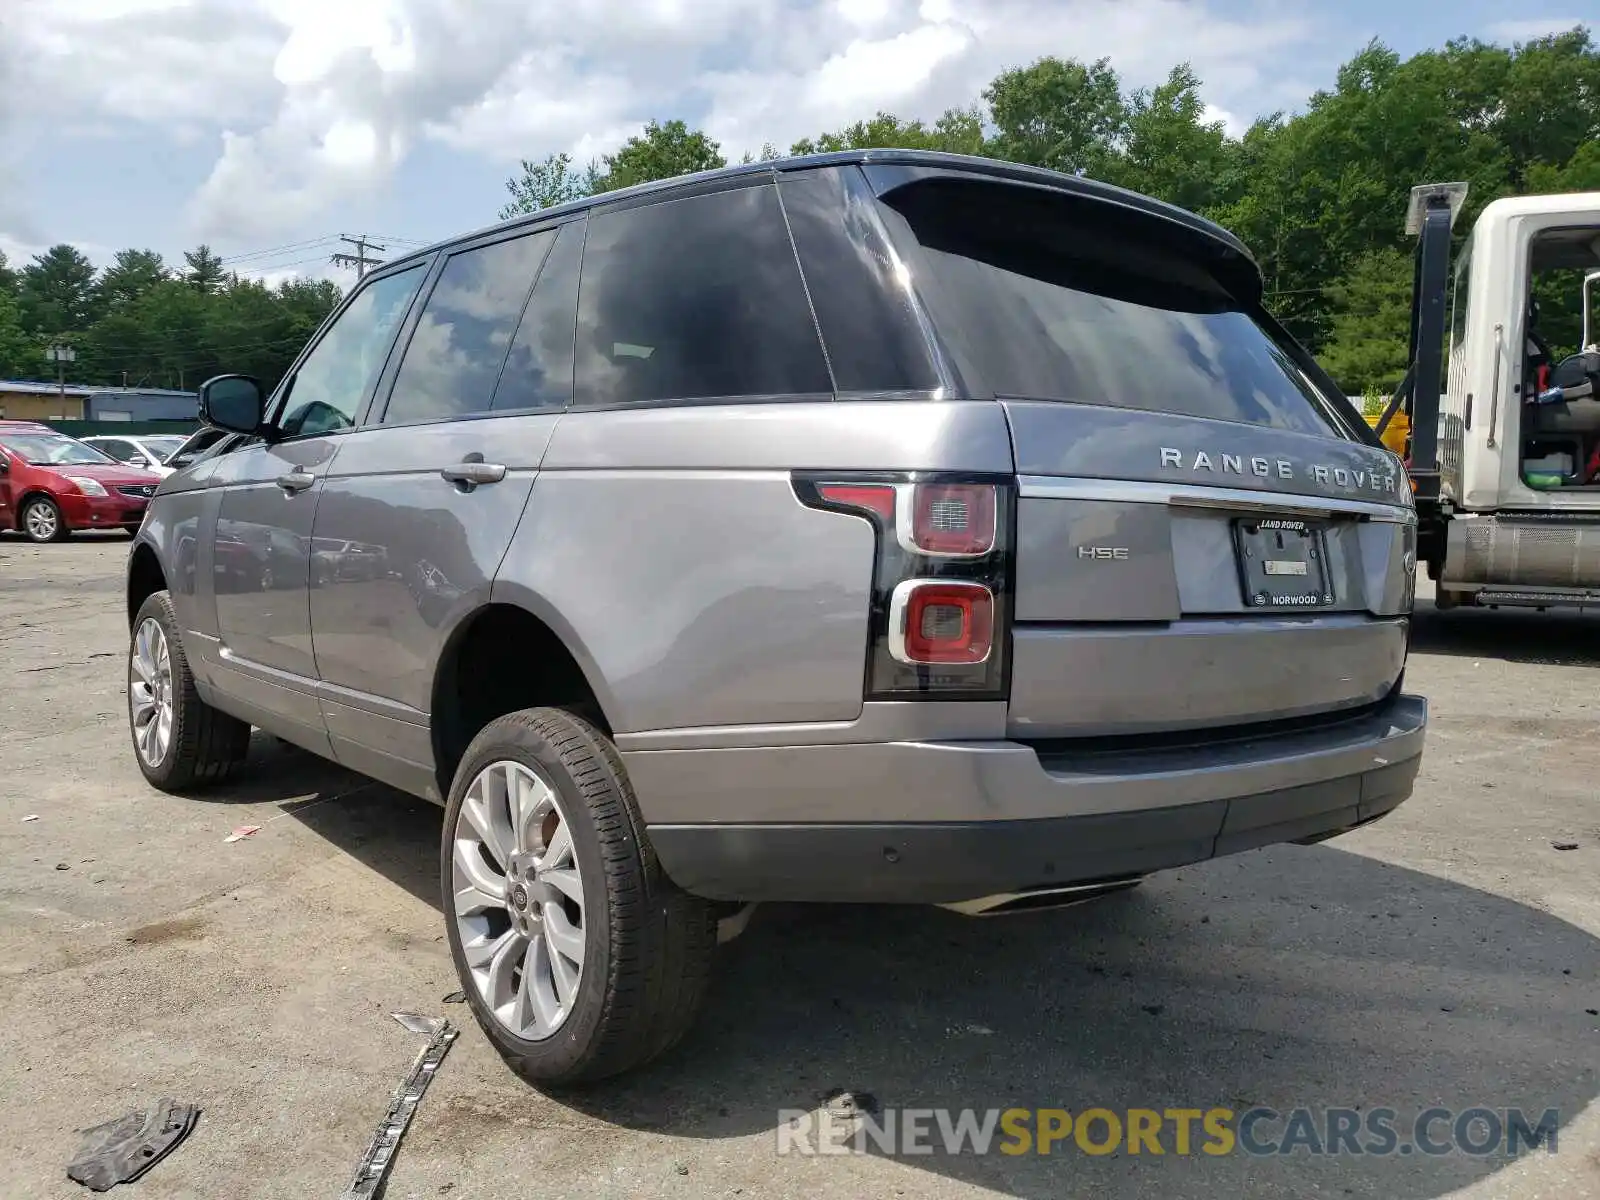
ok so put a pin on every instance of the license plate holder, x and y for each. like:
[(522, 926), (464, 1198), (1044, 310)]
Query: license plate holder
[(1282, 564)]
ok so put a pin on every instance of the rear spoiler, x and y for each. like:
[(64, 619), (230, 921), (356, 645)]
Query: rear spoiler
[(1432, 213)]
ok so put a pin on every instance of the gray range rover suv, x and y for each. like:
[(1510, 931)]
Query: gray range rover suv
[(879, 526)]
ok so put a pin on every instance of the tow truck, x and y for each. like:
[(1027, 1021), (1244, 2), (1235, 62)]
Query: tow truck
[(1498, 429)]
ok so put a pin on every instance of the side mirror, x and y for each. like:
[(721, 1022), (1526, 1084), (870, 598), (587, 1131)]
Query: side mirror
[(5, 467), (232, 402)]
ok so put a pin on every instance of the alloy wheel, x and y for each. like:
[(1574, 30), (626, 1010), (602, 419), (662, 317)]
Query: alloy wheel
[(41, 521), (150, 704), (518, 899)]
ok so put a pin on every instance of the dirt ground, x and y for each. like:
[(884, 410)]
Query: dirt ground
[(1447, 955)]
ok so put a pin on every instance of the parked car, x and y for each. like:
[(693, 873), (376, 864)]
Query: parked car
[(51, 484), (876, 526), (147, 450)]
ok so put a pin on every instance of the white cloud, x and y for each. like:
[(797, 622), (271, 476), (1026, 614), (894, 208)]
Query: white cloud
[(1529, 29), (313, 103)]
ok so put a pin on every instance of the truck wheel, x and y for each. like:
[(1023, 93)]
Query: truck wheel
[(579, 957), (179, 741), (42, 520)]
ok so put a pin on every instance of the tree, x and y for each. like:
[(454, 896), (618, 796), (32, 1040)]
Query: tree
[(133, 274), (544, 185), (57, 293), (1369, 345), (659, 152), (1173, 153), (19, 353), (958, 131), (1061, 114), (9, 279), (206, 273)]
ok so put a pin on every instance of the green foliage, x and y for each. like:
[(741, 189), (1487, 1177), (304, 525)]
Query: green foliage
[(57, 292), (660, 152), (1370, 320), (205, 274), (543, 185)]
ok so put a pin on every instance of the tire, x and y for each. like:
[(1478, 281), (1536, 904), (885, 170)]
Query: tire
[(203, 746), (41, 521), (647, 946)]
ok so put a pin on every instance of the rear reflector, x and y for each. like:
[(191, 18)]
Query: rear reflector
[(935, 621), (947, 520), (873, 497)]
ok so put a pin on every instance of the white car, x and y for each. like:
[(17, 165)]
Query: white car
[(147, 450)]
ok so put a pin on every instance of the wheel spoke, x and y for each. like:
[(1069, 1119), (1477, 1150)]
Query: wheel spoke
[(559, 852), (566, 881), (485, 813), (473, 875), (538, 986), (499, 984), (481, 952), (565, 938)]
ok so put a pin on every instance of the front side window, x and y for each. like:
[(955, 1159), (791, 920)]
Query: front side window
[(692, 299), (332, 383), (49, 449), (1052, 301), (116, 448), (455, 355)]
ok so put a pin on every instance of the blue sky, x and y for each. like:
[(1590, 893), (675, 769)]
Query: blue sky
[(266, 127)]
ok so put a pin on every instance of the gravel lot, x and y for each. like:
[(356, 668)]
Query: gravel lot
[(1446, 956)]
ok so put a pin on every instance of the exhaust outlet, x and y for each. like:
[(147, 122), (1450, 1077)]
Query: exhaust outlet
[(1041, 899)]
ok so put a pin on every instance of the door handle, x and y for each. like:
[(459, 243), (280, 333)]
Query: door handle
[(470, 473), (296, 481)]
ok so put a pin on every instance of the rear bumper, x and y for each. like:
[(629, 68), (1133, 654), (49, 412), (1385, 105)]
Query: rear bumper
[(942, 822)]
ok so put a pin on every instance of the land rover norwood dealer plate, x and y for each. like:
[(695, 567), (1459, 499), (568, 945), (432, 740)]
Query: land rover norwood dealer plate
[(1282, 563)]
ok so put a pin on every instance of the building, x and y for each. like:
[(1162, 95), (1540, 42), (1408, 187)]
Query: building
[(142, 404), (24, 401), (21, 401)]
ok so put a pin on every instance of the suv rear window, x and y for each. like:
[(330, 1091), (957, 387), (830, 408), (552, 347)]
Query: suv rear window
[(1050, 300)]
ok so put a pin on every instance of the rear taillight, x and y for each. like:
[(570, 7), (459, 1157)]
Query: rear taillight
[(941, 579)]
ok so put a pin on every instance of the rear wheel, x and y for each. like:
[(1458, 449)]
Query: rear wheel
[(42, 520), (579, 957), (179, 741)]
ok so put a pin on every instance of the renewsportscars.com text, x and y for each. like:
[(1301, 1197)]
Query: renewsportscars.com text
[(1476, 1130)]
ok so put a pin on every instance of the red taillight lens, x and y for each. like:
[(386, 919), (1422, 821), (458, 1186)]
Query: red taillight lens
[(873, 497), (954, 520), (941, 622)]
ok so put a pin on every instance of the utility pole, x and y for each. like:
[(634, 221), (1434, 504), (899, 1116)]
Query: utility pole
[(359, 259), (61, 355)]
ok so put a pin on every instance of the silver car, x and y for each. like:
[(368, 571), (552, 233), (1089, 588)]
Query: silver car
[(877, 526)]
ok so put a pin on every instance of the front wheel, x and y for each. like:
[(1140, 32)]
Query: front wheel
[(179, 741), (42, 520), (579, 957)]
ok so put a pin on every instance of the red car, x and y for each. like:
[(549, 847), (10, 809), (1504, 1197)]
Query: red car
[(51, 485)]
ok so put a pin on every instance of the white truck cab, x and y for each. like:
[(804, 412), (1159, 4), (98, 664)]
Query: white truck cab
[(1507, 469)]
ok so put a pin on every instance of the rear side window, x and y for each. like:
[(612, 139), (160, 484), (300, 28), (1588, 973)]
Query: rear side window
[(538, 371), (695, 298), (454, 358), (873, 339), (1050, 300)]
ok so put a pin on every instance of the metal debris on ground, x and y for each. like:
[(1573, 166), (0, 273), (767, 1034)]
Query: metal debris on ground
[(30, 817), (244, 831), (122, 1150), (1565, 845), (456, 998), (373, 1170)]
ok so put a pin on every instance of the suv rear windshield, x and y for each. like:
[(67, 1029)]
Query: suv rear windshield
[(1049, 299)]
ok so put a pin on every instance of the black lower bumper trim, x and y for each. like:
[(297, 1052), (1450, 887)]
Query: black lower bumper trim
[(943, 863)]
